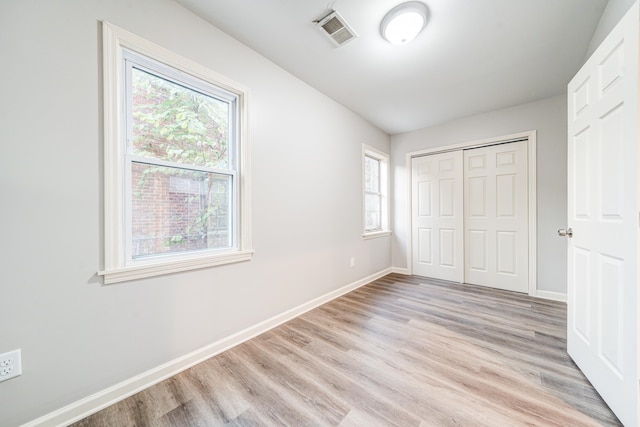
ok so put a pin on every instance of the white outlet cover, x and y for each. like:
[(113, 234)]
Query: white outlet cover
[(10, 365)]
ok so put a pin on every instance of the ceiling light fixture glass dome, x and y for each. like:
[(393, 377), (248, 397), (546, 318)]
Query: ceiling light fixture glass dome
[(404, 22)]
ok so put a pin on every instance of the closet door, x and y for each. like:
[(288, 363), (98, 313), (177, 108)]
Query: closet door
[(496, 216), (437, 216)]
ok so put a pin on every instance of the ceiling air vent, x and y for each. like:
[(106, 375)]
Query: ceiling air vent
[(336, 28)]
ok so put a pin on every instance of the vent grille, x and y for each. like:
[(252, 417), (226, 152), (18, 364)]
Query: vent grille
[(336, 28), (333, 25)]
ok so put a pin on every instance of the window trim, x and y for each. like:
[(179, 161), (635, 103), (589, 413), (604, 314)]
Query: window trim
[(383, 158), (116, 266)]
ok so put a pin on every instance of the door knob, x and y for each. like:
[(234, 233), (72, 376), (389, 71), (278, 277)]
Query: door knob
[(568, 232)]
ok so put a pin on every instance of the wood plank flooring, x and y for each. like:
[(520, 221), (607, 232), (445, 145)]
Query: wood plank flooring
[(405, 351)]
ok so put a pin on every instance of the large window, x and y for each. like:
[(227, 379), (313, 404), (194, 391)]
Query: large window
[(176, 163), (376, 187)]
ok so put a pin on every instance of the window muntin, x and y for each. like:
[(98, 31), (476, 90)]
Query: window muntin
[(211, 176)]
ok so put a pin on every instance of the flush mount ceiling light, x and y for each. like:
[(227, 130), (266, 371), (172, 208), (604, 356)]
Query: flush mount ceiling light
[(404, 22)]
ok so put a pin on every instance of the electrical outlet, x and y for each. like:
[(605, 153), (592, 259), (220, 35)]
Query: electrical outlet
[(10, 365), (353, 262)]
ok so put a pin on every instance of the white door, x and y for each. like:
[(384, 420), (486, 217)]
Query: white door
[(602, 326), (496, 216), (437, 216)]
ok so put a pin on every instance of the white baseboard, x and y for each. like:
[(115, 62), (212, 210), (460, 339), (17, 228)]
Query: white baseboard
[(102, 399), (555, 296), (400, 270)]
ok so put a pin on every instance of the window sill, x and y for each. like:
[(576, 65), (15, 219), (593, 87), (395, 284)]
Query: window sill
[(376, 234), (167, 267)]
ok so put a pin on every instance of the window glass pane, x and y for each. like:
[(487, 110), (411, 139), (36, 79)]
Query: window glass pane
[(372, 212), (371, 174), (177, 210), (177, 124)]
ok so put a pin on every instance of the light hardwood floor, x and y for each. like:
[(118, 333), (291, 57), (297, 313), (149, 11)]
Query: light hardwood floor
[(403, 350)]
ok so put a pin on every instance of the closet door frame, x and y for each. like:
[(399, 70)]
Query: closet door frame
[(530, 137)]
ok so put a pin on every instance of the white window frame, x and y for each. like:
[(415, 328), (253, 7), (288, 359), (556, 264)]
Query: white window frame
[(118, 265), (383, 158)]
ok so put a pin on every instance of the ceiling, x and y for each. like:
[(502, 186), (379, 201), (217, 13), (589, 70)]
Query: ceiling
[(474, 56)]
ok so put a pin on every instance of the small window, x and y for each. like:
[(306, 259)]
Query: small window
[(376, 188), (176, 183)]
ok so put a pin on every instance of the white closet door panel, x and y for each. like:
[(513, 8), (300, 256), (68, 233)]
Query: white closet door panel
[(506, 196), (496, 216), (424, 199), (447, 247), (506, 250), (437, 216), (477, 201), (425, 244), (477, 250), (447, 197)]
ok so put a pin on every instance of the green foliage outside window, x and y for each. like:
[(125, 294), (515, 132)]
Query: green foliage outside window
[(176, 209)]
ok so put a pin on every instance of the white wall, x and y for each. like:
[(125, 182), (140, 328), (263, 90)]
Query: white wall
[(613, 12), (549, 118), (78, 336)]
